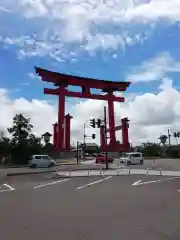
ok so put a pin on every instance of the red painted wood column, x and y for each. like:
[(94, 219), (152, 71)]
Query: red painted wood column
[(102, 139), (61, 113), (55, 129), (68, 118), (111, 121), (125, 133)]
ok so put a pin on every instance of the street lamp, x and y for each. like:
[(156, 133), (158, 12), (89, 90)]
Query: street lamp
[(46, 137), (163, 138)]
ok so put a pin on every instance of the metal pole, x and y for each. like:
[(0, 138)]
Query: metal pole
[(77, 156), (105, 132), (84, 133), (169, 137), (84, 137)]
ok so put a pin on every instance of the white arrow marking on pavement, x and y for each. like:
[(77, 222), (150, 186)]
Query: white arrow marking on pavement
[(136, 183), (7, 190), (52, 183), (8, 186), (92, 183), (139, 182)]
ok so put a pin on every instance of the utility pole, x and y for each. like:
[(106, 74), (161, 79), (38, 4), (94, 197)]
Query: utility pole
[(84, 138), (77, 151), (105, 132), (169, 137)]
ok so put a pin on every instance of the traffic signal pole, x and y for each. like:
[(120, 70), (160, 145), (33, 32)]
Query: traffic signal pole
[(77, 152), (105, 132), (84, 138)]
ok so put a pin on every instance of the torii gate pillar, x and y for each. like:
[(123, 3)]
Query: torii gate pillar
[(68, 118)]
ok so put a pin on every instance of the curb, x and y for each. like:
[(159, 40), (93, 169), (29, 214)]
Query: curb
[(50, 171), (28, 173), (24, 166)]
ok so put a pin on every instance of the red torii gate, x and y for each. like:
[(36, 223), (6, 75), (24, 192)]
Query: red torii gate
[(62, 81)]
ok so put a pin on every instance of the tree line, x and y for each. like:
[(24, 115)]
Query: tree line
[(22, 143)]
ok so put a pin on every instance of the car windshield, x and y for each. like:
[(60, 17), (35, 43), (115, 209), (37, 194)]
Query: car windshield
[(46, 157), (132, 154), (126, 154)]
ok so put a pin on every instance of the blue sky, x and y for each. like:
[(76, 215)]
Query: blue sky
[(111, 63), (117, 40)]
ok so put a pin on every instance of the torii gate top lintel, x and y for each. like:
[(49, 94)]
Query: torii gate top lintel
[(59, 78)]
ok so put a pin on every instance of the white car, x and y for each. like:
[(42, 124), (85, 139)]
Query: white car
[(41, 161), (132, 158)]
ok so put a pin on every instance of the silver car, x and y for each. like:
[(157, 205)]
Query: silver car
[(132, 158), (41, 161)]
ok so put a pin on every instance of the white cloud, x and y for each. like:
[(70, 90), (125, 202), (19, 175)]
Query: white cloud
[(29, 46), (111, 41), (154, 69), (150, 114), (89, 22), (33, 75), (107, 10), (35, 109)]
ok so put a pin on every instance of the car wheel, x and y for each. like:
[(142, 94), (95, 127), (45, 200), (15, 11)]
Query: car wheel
[(51, 165), (141, 162), (33, 165)]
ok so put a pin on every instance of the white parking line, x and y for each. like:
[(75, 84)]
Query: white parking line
[(52, 183), (7, 190), (8, 186), (92, 183)]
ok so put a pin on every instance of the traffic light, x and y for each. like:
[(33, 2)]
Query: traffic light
[(125, 120), (93, 123), (93, 136), (99, 123), (175, 135)]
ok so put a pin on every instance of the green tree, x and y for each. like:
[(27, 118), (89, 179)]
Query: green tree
[(21, 129), (150, 149), (34, 145), (5, 149)]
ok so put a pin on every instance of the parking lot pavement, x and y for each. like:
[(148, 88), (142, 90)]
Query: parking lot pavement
[(27, 170), (94, 208), (163, 163)]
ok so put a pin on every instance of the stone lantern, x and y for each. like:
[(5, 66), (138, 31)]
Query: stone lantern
[(163, 139), (46, 136)]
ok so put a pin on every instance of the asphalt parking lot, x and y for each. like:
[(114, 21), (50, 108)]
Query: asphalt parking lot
[(163, 163), (118, 207)]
